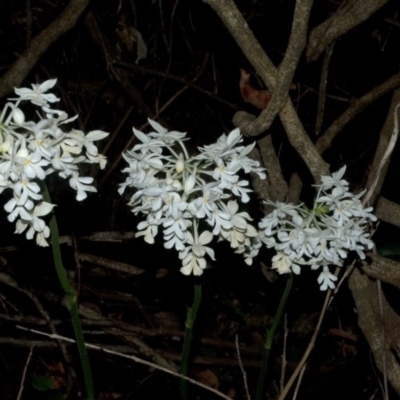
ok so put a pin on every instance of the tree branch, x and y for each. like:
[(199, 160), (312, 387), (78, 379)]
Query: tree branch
[(240, 31), (385, 137), (283, 74), (365, 295), (278, 188), (388, 211), (28, 59), (356, 106), (346, 18), (384, 269)]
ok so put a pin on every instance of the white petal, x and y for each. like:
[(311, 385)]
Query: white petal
[(157, 126), (43, 208), (141, 136), (96, 135), (48, 84), (206, 237)]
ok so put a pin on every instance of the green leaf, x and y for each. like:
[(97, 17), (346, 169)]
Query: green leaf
[(42, 383)]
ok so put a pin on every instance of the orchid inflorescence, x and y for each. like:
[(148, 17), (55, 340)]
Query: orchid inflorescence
[(196, 198), (322, 236), (192, 199), (177, 192), (31, 150)]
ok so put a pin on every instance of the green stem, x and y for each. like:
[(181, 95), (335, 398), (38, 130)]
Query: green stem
[(190, 319), (270, 337), (71, 297)]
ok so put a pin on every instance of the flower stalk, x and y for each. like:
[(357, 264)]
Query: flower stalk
[(269, 338), (71, 297), (187, 340)]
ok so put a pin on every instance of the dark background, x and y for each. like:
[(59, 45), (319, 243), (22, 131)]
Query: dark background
[(98, 79)]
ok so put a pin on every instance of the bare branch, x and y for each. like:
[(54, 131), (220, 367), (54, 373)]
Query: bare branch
[(383, 269), (388, 211), (28, 59), (322, 89), (355, 108), (284, 73), (237, 26), (365, 296), (240, 31), (261, 187), (346, 18), (278, 186), (387, 138)]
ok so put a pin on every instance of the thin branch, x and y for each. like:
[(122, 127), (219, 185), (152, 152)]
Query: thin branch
[(322, 89), (383, 163), (244, 375), (296, 389), (130, 357), (175, 78), (151, 115), (8, 280), (387, 136), (302, 362), (356, 106), (22, 385)]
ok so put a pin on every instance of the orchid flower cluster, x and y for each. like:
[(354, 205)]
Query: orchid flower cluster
[(192, 199), (320, 237), (30, 150)]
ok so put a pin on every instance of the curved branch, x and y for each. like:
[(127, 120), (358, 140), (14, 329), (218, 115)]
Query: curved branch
[(283, 74), (28, 59), (240, 31), (358, 105), (346, 18)]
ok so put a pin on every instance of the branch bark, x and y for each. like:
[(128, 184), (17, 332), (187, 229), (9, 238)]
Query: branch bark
[(278, 188), (39, 45), (240, 31), (384, 269), (365, 295), (346, 18), (283, 75), (385, 136), (388, 211)]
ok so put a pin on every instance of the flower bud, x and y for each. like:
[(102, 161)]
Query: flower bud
[(180, 164), (190, 183), (18, 116), (5, 146)]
